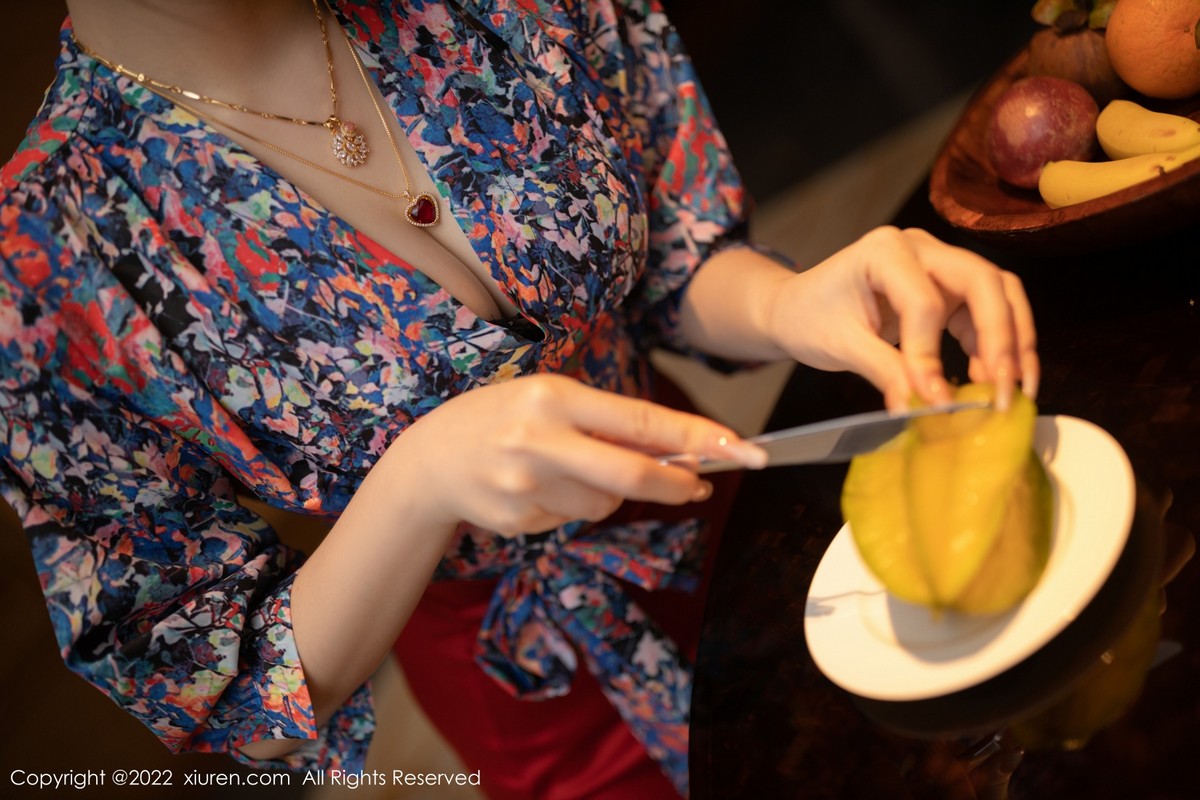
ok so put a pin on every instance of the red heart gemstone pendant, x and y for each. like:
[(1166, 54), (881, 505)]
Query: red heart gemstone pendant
[(422, 211)]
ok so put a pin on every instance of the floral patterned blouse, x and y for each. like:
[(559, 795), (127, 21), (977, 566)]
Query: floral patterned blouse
[(178, 321)]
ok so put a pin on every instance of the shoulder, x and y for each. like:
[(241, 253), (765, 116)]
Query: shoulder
[(46, 189), (55, 187), (67, 108), (49, 132), (597, 23), (40, 191)]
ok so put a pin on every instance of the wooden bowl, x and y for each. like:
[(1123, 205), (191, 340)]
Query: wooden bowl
[(965, 191)]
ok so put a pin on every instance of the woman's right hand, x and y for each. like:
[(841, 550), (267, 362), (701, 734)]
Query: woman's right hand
[(530, 454)]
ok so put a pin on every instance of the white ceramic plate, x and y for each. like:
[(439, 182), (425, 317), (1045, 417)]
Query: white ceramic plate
[(877, 646)]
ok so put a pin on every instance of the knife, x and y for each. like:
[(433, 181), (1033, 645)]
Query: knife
[(830, 442)]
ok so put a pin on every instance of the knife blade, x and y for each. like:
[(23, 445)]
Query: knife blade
[(828, 442)]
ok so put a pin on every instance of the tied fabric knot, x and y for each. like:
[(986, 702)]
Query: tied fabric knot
[(567, 599)]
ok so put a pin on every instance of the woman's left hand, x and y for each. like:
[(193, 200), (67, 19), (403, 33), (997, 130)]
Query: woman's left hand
[(905, 286)]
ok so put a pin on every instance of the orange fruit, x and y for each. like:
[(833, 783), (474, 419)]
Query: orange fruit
[(1153, 46)]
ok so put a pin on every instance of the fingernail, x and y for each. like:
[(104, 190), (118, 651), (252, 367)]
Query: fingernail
[(747, 453), (1004, 389), (703, 491), (897, 399), (1003, 397), (1030, 387), (938, 391)]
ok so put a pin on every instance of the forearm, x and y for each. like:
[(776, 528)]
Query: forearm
[(353, 596), (727, 308)]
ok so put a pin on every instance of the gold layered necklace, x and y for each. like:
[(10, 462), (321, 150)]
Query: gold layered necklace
[(349, 145)]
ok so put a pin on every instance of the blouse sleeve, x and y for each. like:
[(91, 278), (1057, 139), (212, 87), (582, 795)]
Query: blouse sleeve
[(163, 591), (695, 199)]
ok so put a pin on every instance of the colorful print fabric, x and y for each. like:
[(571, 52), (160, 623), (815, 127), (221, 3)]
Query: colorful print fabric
[(179, 323)]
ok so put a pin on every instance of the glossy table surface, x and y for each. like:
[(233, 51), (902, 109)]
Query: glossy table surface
[(1119, 339)]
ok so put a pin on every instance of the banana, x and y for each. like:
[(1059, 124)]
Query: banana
[(1065, 183), (1126, 129)]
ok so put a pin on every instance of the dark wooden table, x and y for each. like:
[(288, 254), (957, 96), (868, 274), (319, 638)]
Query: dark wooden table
[(1119, 337)]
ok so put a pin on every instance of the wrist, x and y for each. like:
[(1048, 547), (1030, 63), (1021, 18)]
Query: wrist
[(777, 313), (731, 308), (407, 487)]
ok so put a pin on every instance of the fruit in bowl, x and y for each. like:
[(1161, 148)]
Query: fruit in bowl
[(1073, 46), (1142, 145), (956, 512), (1096, 203), (1154, 46), (1127, 129), (1037, 120)]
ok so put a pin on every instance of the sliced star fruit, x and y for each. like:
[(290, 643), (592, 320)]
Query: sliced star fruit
[(955, 512)]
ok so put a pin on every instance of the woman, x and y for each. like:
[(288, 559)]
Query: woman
[(399, 266)]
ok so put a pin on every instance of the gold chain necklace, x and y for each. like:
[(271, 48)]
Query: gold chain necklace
[(421, 209), (348, 143)]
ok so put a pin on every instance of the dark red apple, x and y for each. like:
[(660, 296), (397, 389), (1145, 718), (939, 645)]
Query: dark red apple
[(1038, 120)]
